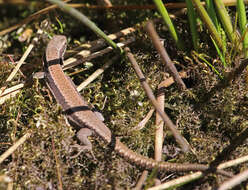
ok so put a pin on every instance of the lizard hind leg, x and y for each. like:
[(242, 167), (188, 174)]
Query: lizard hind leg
[(82, 136)]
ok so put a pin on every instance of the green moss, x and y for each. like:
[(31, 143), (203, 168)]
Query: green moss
[(122, 101)]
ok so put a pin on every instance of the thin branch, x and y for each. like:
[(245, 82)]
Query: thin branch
[(115, 7), (197, 175), (234, 162), (12, 149), (127, 7), (169, 81), (8, 180), (10, 92), (60, 186), (234, 181), (159, 125), (231, 76), (105, 2), (29, 19), (166, 83), (142, 124), (179, 138), (84, 56), (140, 7), (141, 181), (164, 55), (159, 135), (97, 73), (19, 64), (226, 152), (99, 43)]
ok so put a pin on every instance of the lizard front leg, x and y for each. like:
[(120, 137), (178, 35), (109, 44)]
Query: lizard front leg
[(82, 136), (85, 144)]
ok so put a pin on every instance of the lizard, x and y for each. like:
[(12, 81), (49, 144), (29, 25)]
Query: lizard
[(80, 115)]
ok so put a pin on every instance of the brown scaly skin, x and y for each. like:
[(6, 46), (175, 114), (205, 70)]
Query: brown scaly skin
[(80, 115)]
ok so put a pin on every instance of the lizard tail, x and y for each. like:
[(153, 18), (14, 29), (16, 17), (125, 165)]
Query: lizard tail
[(149, 163)]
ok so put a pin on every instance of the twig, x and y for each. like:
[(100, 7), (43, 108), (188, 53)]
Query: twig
[(178, 181), (142, 124), (140, 7), (197, 175), (97, 73), (13, 62), (226, 152), (60, 186), (158, 141), (115, 7), (7, 179), (127, 7), (10, 92), (100, 43), (14, 2), (29, 19), (159, 137), (104, 2), (164, 56), (231, 76), (159, 126), (169, 81), (19, 64), (141, 181), (233, 162), (86, 56), (179, 138), (235, 180), (166, 83), (23, 58), (14, 147)]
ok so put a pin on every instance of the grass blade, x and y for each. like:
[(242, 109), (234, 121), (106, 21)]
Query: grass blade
[(242, 25), (209, 24), (82, 18), (162, 10), (225, 19), (212, 13), (192, 22)]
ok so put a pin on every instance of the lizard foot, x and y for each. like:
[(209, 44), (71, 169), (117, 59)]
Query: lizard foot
[(81, 149), (82, 136)]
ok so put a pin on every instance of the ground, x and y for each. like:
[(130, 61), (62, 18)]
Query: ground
[(209, 126)]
